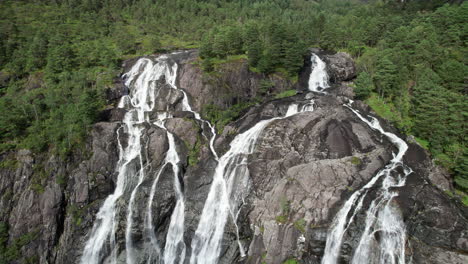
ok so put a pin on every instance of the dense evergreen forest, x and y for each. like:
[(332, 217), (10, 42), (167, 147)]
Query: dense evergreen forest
[(58, 56)]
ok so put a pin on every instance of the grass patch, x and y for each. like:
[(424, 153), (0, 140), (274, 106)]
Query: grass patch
[(284, 74), (194, 152), (253, 69), (383, 108), (291, 261), (387, 110), (229, 59), (465, 200), (458, 194), (78, 213), (285, 210), (177, 43), (423, 143), (300, 225), (39, 178), (285, 94), (281, 219), (356, 161), (61, 180), (9, 164), (449, 193)]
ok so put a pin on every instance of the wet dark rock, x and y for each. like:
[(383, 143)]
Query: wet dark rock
[(112, 115), (115, 92), (343, 90)]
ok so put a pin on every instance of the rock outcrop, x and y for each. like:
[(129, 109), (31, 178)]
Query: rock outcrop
[(303, 169), (340, 67)]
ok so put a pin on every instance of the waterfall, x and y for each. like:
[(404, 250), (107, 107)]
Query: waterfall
[(228, 190), (230, 185), (318, 79), (382, 218), (140, 101), (141, 79), (175, 246)]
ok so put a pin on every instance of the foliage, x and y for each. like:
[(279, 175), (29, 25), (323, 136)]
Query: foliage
[(285, 94), (12, 252), (194, 153), (356, 161), (221, 117), (300, 225), (423, 143), (281, 219), (386, 109), (410, 54), (268, 45), (364, 86)]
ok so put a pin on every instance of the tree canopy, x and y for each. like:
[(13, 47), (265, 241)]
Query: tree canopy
[(58, 56)]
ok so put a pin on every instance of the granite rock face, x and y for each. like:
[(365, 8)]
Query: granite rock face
[(340, 66), (302, 170)]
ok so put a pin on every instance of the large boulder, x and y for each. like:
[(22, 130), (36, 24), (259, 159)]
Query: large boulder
[(340, 67), (116, 91)]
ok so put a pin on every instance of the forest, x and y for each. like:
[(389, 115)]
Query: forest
[(57, 57)]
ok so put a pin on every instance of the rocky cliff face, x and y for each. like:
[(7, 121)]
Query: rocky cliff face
[(302, 171)]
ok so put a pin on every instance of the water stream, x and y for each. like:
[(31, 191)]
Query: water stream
[(384, 235), (101, 246), (318, 79), (231, 180), (229, 188)]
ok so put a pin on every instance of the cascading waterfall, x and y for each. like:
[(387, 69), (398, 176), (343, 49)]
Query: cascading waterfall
[(382, 219), (174, 251), (230, 185), (318, 79), (139, 102), (188, 108), (131, 172), (229, 188)]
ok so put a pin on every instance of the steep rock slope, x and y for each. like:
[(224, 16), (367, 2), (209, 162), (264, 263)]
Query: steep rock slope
[(302, 170)]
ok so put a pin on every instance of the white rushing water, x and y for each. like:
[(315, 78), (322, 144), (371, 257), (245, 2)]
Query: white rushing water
[(141, 80), (129, 167), (318, 79), (175, 245), (229, 188), (231, 179), (384, 235)]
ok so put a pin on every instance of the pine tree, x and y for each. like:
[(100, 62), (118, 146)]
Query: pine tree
[(60, 57), (254, 50), (37, 52), (386, 77), (364, 86)]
